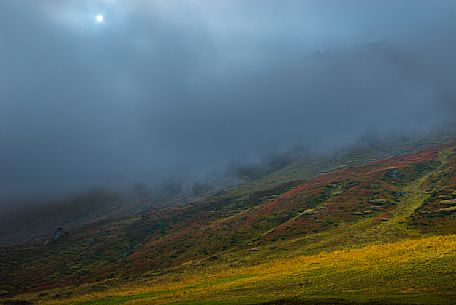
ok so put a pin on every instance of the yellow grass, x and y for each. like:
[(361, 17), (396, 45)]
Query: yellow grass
[(405, 268)]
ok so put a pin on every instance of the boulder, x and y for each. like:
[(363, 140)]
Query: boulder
[(393, 173), (58, 233)]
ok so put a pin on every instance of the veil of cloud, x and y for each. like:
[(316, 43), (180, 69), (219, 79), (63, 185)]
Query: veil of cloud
[(169, 86)]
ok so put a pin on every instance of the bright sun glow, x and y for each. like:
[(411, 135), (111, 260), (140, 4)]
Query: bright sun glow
[(100, 18)]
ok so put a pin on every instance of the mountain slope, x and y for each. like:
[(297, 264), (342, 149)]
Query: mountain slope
[(387, 222)]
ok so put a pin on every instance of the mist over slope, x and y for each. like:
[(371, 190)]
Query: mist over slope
[(360, 225), (34, 220), (164, 89)]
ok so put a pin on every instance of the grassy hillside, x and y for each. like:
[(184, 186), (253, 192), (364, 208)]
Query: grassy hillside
[(366, 225), (418, 270)]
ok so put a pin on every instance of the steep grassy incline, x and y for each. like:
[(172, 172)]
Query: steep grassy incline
[(356, 232), (368, 193)]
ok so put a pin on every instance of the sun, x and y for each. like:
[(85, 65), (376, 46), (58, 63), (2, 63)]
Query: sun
[(99, 18)]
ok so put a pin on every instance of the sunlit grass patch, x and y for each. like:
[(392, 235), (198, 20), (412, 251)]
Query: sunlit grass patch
[(408, 269)]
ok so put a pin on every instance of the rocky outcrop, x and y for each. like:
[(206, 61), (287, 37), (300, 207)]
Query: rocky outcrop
[(58, 233)]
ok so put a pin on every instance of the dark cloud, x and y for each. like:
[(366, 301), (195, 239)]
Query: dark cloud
[(165, 87)]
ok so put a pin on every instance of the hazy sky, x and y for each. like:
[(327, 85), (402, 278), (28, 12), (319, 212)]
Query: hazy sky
[(165, 86)]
